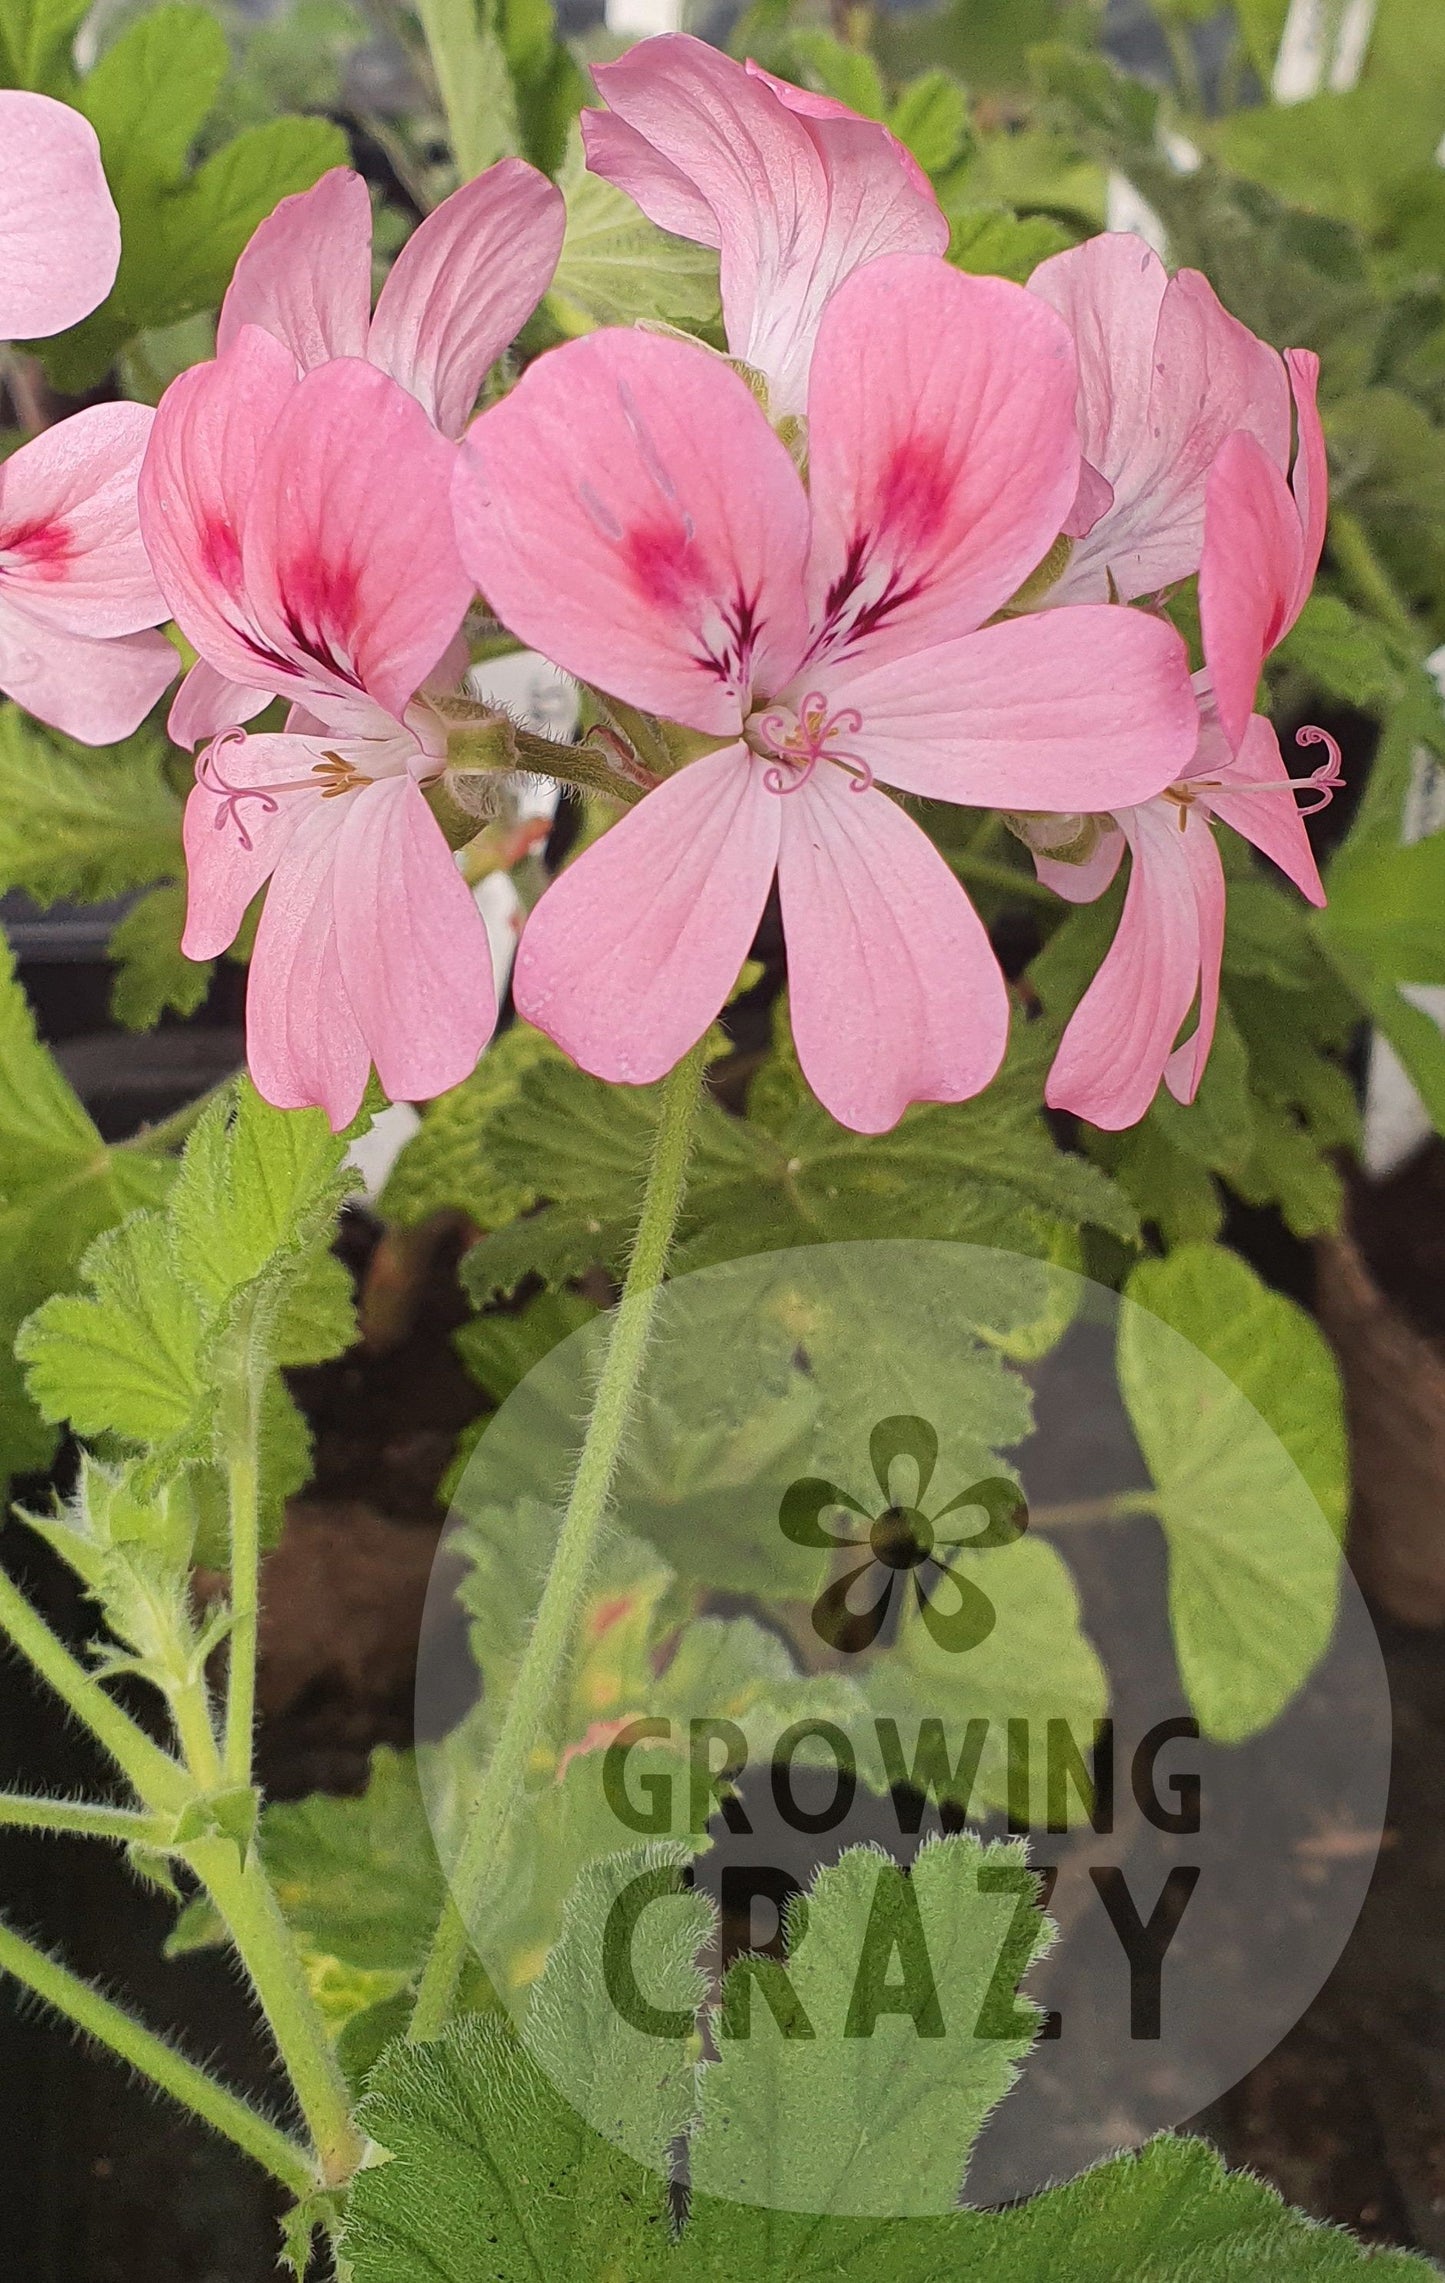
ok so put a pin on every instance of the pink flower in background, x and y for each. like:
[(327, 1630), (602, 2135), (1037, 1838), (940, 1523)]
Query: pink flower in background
[(59, 230), (1262, 545), (794, 190), (1165, 375), (459, 292), (300, 531), (75, 586), (629, 511)]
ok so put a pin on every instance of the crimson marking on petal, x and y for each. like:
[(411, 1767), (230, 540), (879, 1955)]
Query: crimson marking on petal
[(44, 547), (913, 493), (221, 553), (731, 659), (321, 600), (659, 557), (838, 628)]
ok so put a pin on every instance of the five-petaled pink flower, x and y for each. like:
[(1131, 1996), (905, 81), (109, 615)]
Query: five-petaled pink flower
[(300, 529), (794, 190), (1165, 375), (459, 292), (59, 230), (1262, 545), (629, 511)]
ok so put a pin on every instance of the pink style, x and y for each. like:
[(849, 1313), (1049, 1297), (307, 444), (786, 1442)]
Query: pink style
[(299, 529), (76, 591), (459, 292), (1262, 543), (794, 190), (629, 511)]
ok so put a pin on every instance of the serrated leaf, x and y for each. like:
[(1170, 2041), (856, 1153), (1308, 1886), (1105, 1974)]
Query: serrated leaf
[(444, 1168), (80, 823), (931, 117), (991, 242), (153, 974), (1250, 1470), (1345, 655), (848, 74), (617, 267)]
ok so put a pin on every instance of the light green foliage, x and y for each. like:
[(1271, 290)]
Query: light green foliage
[(473, 80), (443, 1168), (992, 242), (35, 37), (985, 1172), (80, 823), (617, 267), (181, 227), (152, 972), (1251, 1511), (60, 1186), (216, 1290)]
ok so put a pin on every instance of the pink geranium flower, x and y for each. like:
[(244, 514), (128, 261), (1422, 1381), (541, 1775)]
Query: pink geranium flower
[(460, 290), (75, 586), (300, 530), (1262, 545), (629, 511), (1165, 375), (59, 230), (794, 190)]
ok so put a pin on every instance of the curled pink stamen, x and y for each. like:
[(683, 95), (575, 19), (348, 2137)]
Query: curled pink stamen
[(800, 743), (335, 774), (1327, 779)]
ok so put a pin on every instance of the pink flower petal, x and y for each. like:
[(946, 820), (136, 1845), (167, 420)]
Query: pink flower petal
[(1120, 1036), (1165, 374), (1311, 479), (250, 797), (1185, 1067), (1271, 821), (810, 105), (628, 511), (1084, 883), (305, 277), (196, 484), (97, 690), (70, 543), (59, 230), (206, 703), (894, 992), (666, 195), (1070, 710), (1093, 499), (464, 285), (303, 1042), (349, 564), (631, 953), (1252, 571), (942, 455), (412, 944), (797, 201)]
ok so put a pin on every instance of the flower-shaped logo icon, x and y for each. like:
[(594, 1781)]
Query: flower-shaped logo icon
[(901, 1539)]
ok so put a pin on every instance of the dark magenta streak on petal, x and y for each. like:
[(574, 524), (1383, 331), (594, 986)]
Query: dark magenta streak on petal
[(659, 559), (913, 493), (320, 605), (733, 666), (43, 547), (221, 554)]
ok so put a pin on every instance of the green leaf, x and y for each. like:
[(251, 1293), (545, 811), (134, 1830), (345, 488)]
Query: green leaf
[(617, 267), (931, 117), (1387, 911), (444, 1167), (35, 39), (148, 99), (991, 242), (1245, 1466), (80, 823), (499, 1350), (877, 1961), (1344, 654), (153, 973), (474, 81), (60, 1186), (849, 74)]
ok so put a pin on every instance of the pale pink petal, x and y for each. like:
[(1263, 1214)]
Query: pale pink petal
[(206, 703), (1070, 710), (666, 195), (1084, 883), (412, 943), (98, 690), (631, 953), (1093, 498), (70, 543), (349, 563), (250, 796), (59, 230), (894, 993), (303, 1042), (810, 105), (305, 277), (1311, 479), (798, 202), (628, 511), (942, 454), (464, 285), (1165, 374), (196, 484), (1270, 820), (1120, 1036), (1252, 570), (1185, 1067)]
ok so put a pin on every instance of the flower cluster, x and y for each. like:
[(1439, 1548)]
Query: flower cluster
[(911, 536)]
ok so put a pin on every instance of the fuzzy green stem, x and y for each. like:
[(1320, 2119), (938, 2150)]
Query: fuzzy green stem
[(243, 1895), (244, 1493), (111, 2026), (1114, 1508), (191, 1712), (582, 1524), (83, 1819), (161, 1781), (1362, 571)]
